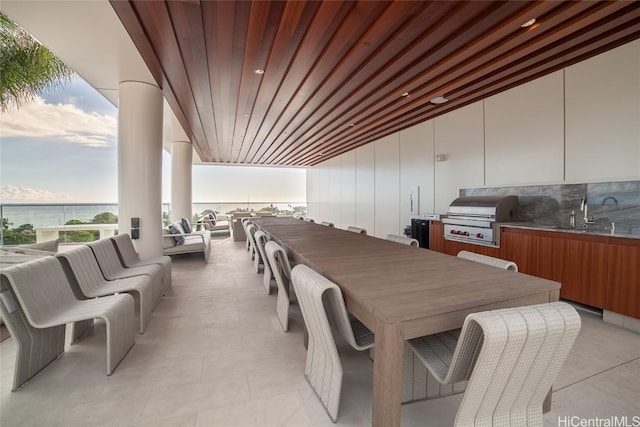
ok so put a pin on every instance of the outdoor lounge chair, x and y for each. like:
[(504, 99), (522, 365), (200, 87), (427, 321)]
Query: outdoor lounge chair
[(112, 268), (47, 301), (511, 358), (179, 238), (84, 274), (279, 262), (403, 240), (130, 258), (261, 239), (36, 347), (322, 306)]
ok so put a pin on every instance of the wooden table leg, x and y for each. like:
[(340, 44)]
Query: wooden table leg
[(387, 375)]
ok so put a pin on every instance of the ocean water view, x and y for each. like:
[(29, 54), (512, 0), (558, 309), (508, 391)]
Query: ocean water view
[(23, 219), (44, 215)]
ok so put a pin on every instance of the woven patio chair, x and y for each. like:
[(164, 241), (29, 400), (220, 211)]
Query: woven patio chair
[(281, 267), (511, 358), (245, 222), (257, 261), (46, 298), (403, 240), (250, 229), (357, 230), (487, 260), (261, 239), (112, 268), (323, 308), (130, 258), (35, 347), (85, 276)]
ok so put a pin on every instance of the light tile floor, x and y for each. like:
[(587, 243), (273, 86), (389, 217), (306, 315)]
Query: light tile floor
[(215, 355)]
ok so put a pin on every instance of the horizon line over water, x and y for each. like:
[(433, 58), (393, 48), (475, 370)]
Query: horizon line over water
[(52, 214)]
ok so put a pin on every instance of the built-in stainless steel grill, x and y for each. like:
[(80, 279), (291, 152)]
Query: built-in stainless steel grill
[(475, 219)]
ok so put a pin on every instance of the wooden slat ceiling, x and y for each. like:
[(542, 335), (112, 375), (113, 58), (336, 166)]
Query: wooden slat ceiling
[(335, 71)]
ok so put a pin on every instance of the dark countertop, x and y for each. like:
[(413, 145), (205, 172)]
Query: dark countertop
[(553, 228)]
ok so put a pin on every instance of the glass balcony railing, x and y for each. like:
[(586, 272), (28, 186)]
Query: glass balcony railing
[(74, 223)]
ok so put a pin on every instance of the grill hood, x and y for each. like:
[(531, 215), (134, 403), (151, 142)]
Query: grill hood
[(496, 208)]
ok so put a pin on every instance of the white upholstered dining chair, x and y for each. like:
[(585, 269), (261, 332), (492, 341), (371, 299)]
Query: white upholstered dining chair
[(255, 253), (261, 239), (356, 230), (511, 358), (323, 308), (403, 240), (488, 260), (281, 267)]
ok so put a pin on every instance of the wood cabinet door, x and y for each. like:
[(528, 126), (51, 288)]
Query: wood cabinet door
[(436, 236), (623, 277), (584, 271), (578, 262)]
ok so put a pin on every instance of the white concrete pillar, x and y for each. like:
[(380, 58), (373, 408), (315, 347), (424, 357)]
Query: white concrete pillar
[(181, 159), (140, 163)]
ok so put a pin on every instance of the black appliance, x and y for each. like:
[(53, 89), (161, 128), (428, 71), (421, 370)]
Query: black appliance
[(420, 231)]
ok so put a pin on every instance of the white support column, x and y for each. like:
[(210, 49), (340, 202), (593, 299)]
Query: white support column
[(181, 159), (140, 163)]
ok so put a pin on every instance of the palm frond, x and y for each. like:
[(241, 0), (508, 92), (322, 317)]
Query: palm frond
[(28, 67)]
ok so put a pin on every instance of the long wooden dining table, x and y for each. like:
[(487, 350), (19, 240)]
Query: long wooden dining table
[(401, 292)]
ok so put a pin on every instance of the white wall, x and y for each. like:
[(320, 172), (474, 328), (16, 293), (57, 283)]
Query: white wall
[(348, 187), (581, 124), (365, 188), (603, 116), (524, 133), (459, 136), (416, 169), (387, 186)]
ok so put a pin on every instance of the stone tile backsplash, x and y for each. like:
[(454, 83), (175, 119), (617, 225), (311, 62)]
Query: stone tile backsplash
[(608, 202)]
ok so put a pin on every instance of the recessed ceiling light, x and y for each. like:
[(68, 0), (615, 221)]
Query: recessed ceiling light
[(246, 114), (351, 125), (438, 100), (405, 95), (259, 71), (529, 23)]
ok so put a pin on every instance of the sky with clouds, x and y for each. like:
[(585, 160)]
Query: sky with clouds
[(62, 147)]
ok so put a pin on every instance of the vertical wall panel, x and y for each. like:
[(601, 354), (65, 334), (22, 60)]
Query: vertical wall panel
[(348, 190), (416, 169), (335, 191), (524, 133), (603, 116), (459, 136), (387, 186), (313, 197), (365, 187), (324, 194)]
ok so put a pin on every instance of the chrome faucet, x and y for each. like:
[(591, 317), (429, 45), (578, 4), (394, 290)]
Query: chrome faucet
[(572, 220), (584, 208)]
